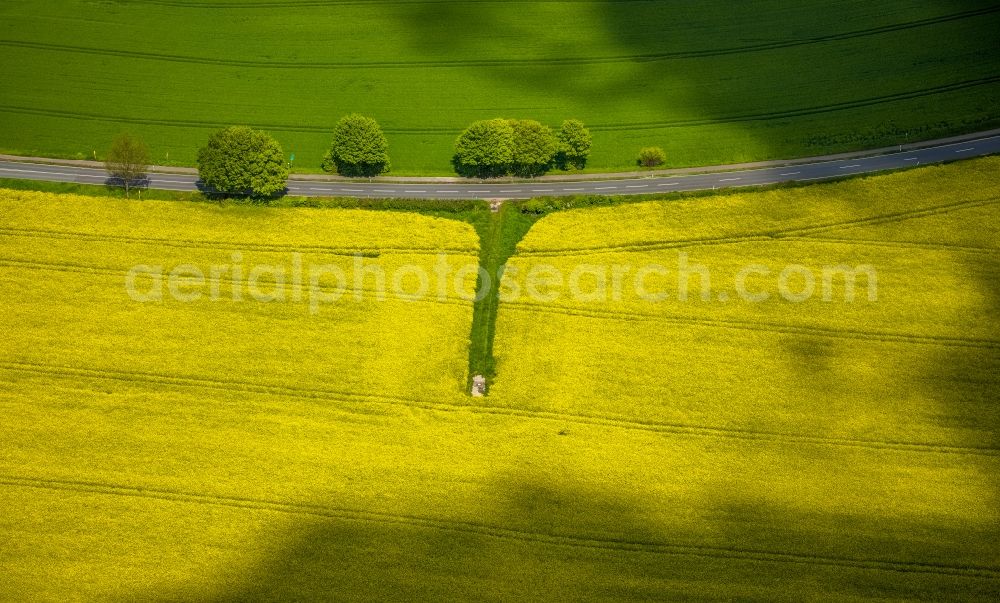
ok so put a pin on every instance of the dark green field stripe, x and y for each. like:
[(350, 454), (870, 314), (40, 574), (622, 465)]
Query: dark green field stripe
[(304, 288), (499, 532), (790, 233), (235, 245), (631, 58), (175, 123), (598, 420)]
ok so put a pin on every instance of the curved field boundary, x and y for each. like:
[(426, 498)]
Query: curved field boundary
[(629, 58), (799, 232), (625, 126), (346, 292), (887, 337), (611, 421), (236, 245), (498, 532)]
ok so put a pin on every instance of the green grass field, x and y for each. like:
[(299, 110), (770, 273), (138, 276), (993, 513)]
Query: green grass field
[(236, 450), (708, 81)]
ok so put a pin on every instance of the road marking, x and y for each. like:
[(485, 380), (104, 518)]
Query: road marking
[(318, 190), (352, 190), (910, 159), (789, 173), (668, 184), (637, 186), (478, 191), (730, 179), (541, 190), (512, 190), (846, 167), (413, 191), (605, 188), (50, 173), (574, 189), (382, 191), (964, 150)]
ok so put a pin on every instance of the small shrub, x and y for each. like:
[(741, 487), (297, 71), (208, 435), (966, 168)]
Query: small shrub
[(652, 157)]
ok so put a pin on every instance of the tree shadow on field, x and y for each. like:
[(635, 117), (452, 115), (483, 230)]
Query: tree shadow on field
[(645, 68), (560, 544), (213, 194)]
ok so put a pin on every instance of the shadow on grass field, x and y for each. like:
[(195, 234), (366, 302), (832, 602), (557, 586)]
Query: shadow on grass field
[(710, 82)]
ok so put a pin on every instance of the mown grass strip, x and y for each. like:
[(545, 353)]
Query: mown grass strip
[(499, 237)]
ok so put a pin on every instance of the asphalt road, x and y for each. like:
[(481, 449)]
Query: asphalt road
[(800, 172)]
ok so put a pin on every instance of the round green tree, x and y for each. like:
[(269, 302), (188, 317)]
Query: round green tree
[(359, 148), (485, 149), (242, 161), (534, 148), (574, 145)]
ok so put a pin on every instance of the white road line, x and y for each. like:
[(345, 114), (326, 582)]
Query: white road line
[(846, 167), (413, 191), (605, 188), (730, 179), (513, 190), (910, 159), (964, 150), (50, 173), (789, 173), (541, 190), (318, 190), (478, 191), (574, 189), (668, 184), (352, 190), (637, 186), (383, 191)]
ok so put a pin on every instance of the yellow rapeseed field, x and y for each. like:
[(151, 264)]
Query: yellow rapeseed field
[(863, 429), (308, 447)]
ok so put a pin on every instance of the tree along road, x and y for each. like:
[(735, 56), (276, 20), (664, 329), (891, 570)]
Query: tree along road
[(801, 171)]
